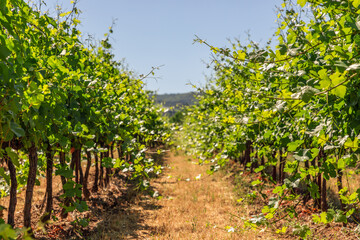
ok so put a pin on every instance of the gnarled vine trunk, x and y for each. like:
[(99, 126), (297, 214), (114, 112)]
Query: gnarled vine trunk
[(86, 191), (95, 186), (49, 187), (101, 177), (13, 189), (274, 174), (247, 153), (281, 167), (63, 164), (33, 159), (108, 170)]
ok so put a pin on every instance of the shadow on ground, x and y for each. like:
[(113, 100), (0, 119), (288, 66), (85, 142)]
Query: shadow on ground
[(122, 216)]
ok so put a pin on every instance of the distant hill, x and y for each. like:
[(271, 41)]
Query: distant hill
[(176, 99)]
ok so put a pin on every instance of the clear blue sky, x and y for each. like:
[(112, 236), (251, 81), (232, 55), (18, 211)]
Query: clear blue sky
[(161, 32)]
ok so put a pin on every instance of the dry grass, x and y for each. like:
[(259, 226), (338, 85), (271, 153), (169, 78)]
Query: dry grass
[(38, 204), (188, 208), (101, 206)]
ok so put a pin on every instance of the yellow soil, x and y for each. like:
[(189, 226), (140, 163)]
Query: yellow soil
[(190, 208)]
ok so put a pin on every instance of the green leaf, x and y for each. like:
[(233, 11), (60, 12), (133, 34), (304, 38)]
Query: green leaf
[(256, 182), (291, 212), (13, 156), (107, 162), (9, 134), (241, 55), (4, 175), (119, 162), (307, 93), (325, 81), (303, 155), (63, 141), (339, 91), (4, 52), (351, 144), (329, 170), (292, 184), (15, 128), (302, 230), (313, 188), (341, 163), (336, 79), (68, 208), (3, 7), (340, 217), (282, 230), (316, 218), (64, 171), (314, 152), (323, 139), (6, 232), (83, 222), (323, 217), (81, 207), (292, 146), (356, 3), (350, 212), (259, 169), (72, 189), (301, 2), (282, 49), (330, 215), (52, 61)]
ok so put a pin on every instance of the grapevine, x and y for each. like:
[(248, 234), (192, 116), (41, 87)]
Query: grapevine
[(289, 112), (61, 101)]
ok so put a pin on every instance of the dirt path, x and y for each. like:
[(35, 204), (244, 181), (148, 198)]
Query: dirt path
[(192, 205)]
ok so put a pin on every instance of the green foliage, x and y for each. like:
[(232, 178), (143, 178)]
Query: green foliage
[(331, 215), (107, 162), (57, 91), (298, 99), (178, 117), (302, 231), (6, 232)]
